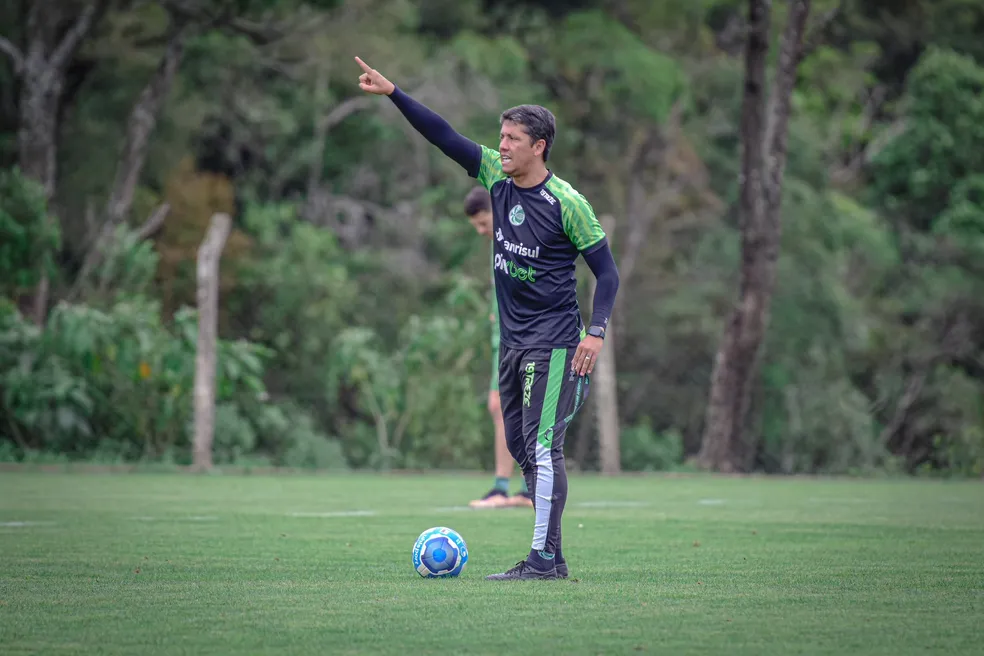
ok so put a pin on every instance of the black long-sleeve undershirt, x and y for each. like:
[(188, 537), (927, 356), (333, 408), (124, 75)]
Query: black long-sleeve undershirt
[(439, 132), (602, 265)]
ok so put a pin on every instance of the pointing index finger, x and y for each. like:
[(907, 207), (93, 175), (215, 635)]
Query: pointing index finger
[(365, 66)]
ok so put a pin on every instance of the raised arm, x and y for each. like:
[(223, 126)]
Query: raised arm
[(439, 132), (431, 125)]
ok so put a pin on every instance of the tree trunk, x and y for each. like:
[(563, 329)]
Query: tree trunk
[(37, 150), (606, 389), (763, 165), (209, 254), (41, 91)]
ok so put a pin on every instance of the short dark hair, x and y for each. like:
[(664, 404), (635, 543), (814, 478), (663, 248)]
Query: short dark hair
[(538, 121), (476, 201)]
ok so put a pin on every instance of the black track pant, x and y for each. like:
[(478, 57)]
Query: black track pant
[(540, 396)]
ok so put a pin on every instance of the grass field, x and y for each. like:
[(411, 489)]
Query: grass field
[(181, 564)]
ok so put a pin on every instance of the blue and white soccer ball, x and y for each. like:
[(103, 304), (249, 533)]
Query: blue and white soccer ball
[(439, 552)]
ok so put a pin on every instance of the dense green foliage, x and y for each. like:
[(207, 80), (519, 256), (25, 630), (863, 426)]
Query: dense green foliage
[(29, 238), (354, 293)]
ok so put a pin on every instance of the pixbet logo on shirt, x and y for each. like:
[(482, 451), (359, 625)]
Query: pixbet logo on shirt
[(509, 267)]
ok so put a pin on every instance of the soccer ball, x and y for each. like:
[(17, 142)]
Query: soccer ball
[(439, 552)]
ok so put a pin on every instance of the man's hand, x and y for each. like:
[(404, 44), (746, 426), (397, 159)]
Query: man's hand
[(586, 355), (372, 81)]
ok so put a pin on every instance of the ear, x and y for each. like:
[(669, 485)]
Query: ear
[(539, 147)]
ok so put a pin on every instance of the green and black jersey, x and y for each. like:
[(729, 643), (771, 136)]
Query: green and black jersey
[(538, 234)]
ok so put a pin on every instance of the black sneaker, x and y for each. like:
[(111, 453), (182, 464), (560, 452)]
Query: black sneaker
[(562, 569), (523, 570)]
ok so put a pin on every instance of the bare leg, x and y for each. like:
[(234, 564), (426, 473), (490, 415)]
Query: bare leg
[(504, 462), (503, 459)]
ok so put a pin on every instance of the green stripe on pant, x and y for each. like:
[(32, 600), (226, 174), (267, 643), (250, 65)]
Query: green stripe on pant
[(555, 380), (540, 396)]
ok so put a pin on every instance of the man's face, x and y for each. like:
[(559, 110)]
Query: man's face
[(482, 222), (517, 153)]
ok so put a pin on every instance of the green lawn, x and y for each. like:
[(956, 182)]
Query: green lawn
[(179, 564)]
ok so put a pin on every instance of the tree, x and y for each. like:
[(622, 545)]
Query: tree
[(764, 123), (42, 64), (927, 180)]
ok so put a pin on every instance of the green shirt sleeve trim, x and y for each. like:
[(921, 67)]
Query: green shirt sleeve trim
[(580, 222), (490, 170)]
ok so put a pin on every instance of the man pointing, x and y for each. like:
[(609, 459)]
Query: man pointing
[(541, 225)]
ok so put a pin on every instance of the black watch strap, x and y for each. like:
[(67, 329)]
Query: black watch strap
[(597, 331)]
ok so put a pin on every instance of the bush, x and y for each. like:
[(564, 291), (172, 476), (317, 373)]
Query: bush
[(645, 450), (29, 238), (417, 398), (288, 435), (311, 449), (234, 436), (117, 383)]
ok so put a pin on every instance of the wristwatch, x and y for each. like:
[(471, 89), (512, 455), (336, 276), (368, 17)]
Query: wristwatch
[(597, 331)]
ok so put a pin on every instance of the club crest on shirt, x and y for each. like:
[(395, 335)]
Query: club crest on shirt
[(517, 215)]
